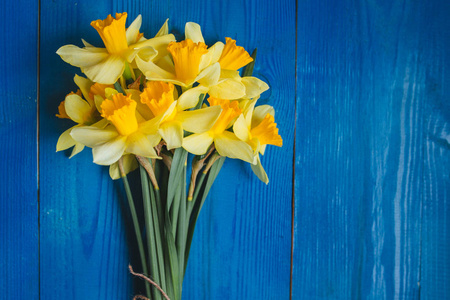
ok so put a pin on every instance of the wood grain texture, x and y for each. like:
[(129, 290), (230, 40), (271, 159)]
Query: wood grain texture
[(435, 77), (84, 243), (19, 259), (241, 248), (361, 152)]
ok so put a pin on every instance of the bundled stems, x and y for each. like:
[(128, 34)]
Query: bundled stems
[(170, 221), (137, 229), (150, 230)]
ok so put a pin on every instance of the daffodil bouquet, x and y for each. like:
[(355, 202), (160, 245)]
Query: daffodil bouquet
[(146, 104)]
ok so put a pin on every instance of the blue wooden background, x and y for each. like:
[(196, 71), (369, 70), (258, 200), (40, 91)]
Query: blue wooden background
[(358, 203)]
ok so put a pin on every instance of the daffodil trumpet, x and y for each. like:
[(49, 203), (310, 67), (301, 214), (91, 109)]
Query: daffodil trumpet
[(175, 110)]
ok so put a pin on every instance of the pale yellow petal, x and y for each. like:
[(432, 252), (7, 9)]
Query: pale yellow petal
[(93, 136), (241, 128), (133, 31), (142, 145), (76, 108), (230, 74), (147, 53), (212, 56), (85, 85), (262, 149), (260, 112), (194, 32), (159, 43), (200, 120), (259, 171), (65, 140), (166, 63), (77, 149), (227, 89), (172, 133), (109, 92), (98, 100), (107, 71), (143, 112), (109, 152), (131, 53), (197, 144), (248, 108), (152, 71), (82, 57), (86, 44), (190, 98), (151, 126), (164, 29), (170, 110), (209, 76), (254, 86), (227, 144), (101, 124), (129, 164)]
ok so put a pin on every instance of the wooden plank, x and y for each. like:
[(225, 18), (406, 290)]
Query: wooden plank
[(84, 242), (435, 64), (241, 248), (19, 240), (360, 150)]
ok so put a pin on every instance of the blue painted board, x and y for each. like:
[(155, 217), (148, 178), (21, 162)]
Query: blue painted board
[(365, 220), (435, 77), (241, 248), (19, 258), (371, 158), (84, 246)]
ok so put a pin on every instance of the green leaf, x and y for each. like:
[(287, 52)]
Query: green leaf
[(175, 211), (179, 159), (200, 102), (248, 71), (152, 252), (171, 252), (118, 87), (181, 228), (155, 199), (137, 231)]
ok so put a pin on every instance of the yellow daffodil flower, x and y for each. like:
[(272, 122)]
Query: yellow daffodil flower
[(226, 142), (159, 97), (215, 69), (257, 127), (79, 110), (190, 60), (106, 65), (125, 133)]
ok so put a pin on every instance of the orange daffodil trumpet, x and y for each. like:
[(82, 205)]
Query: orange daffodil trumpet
[(143, 96), (147, 104)]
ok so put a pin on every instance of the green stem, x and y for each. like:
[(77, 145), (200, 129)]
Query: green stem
[(150, 231), (137, 230), (181, 228), (198, 187), (128, 72), (174, 212), (158, 232)]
